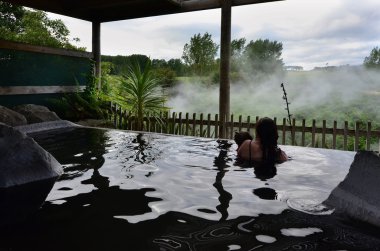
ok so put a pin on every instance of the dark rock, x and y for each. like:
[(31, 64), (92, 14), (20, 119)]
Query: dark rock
[(357, 196), (27, 174), (36, 113), (12, 118)]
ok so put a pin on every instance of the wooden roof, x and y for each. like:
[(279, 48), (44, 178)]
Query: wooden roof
[(113, 10)]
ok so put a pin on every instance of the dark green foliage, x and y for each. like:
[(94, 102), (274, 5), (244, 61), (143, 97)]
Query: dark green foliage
[(77, 106), (237, 53), (177, 66), (10, 17), (200, 54), (121, 64), (166, 76), (81, 105), (373, 60), (264, 56), (33, 27)]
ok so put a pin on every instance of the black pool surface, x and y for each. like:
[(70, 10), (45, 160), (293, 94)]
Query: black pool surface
[(129, 191)]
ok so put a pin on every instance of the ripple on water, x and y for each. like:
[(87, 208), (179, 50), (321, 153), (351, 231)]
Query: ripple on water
[(308, 201), (146, 168), (265, 238), (300, 232)]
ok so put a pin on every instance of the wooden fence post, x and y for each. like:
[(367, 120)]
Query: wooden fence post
[(345, 134), (313, 134), (249, 124), (293, 132), (208, 125), (201, 125), (303, 132), (283, 131), (357, 127), (194, 123), (216, 125), (324, 133), (368, 140), (187, 124), (180, 127), (231, 127), (334, 135)]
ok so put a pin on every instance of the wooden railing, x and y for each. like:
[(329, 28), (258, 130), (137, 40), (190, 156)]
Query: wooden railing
[(359, 136)]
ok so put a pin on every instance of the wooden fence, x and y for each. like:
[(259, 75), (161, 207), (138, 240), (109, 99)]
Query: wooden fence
[(359, 136)]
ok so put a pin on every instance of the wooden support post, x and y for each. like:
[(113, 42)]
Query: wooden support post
[(225, 55), (96, 51)]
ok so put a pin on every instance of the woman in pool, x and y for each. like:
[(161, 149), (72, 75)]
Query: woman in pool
[(263, 149)]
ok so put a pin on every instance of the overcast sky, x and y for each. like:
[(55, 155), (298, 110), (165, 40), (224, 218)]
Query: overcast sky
[(313, 32)]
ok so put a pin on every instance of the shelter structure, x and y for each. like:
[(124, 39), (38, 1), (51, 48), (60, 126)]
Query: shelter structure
[(99, 11)]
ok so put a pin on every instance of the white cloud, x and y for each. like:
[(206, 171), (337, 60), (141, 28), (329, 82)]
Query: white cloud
[(313, 32)]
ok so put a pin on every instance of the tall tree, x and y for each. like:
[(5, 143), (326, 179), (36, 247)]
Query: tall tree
[(34, 27), (264, 56), (373, 60), (200, 53), (237, 50)]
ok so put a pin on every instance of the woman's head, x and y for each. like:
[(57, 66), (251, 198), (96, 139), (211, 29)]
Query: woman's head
[(266, 131)]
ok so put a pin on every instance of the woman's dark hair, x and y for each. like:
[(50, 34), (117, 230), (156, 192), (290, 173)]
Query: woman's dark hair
[(266, 131)]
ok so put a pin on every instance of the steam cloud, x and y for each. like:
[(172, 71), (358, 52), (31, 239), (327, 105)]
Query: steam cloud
[(319, 94)]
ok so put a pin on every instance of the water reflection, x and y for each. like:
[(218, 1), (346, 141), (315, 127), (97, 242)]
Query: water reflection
[(265, 193), (220, 162), (178, 197)]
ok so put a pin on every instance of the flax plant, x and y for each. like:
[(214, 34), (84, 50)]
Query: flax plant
[(140, 93)]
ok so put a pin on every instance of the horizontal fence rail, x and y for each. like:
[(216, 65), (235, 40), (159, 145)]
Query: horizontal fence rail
[(359, 136)]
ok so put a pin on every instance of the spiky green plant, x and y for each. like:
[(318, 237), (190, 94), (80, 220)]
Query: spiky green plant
[(140, 93)]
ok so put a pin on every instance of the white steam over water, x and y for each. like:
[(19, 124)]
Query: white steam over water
[(328, 94)]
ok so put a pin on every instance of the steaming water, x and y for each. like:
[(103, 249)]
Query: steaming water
[(129, 191)]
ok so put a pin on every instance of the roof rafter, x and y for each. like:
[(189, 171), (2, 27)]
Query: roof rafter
[(114, 10)]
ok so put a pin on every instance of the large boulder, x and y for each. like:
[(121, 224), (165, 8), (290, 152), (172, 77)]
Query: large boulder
[(357, 196), (36, 113), (10, 117), (27, 174)]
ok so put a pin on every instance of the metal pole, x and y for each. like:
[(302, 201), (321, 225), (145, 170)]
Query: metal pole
[(96, 51), (225, 55)]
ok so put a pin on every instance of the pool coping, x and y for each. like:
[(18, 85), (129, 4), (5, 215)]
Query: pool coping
[(44, 126)]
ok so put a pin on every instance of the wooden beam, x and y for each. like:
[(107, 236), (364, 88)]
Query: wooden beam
[(42, 49), (225, 56), (23, 90), (194, 5), (96, 51)]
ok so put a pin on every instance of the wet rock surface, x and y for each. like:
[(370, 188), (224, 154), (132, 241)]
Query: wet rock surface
[(12, 118), (357, 195), (36, 113), (27, 174)]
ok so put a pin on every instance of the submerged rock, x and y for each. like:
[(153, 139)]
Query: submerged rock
[(357, 195), (10, 117), (36, 113), (27, 174)]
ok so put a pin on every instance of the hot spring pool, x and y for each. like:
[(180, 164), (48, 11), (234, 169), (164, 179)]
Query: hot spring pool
[(128, 191)]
